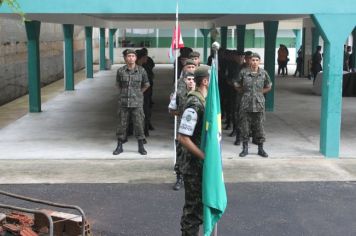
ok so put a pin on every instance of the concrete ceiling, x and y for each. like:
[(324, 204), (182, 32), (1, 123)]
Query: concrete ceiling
[(188, 21)]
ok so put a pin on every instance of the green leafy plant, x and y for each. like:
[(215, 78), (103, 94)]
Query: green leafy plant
[(15, 7)]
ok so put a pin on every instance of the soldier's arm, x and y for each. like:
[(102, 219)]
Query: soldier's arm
[(186, 130), (145, 83), (267, 84), (118, 85), (190, 146), (238, 83)]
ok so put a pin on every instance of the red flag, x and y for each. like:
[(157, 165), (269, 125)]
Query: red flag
[(177, 42)]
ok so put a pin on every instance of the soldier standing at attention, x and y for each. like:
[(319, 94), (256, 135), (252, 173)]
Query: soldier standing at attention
[(132, 82), (185, 85), (189, 136), (253, 83)]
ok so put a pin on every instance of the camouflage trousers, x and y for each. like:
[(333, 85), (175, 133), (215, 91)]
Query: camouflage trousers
[(192, 216), (254, 121), (179, 156), (137, 116)]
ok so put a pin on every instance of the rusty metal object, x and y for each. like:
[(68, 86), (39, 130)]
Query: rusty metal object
[(10, 227), (50, 204)]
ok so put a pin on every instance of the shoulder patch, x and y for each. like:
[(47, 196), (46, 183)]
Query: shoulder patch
[(188, 122)]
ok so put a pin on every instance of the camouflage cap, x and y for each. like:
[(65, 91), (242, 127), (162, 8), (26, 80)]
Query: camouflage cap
[(255, 54), (201, 72), (188, 74), (194, 54), (248, 53), (128, 51), (189, 62)]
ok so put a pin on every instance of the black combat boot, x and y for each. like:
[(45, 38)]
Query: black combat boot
[(233, 133), (244, 149), (237, 140), (141, 149), (179, 182), (261, 152), (119, 148)]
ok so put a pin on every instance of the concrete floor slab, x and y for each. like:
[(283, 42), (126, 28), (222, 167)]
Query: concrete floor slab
[(81, 124)]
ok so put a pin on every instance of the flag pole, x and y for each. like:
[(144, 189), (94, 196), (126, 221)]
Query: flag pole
[(215, 46), (176, 81)]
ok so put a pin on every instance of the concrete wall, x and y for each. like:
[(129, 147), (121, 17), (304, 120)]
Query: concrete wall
[(13, 56)]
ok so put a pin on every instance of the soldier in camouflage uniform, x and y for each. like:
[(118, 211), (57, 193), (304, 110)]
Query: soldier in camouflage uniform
[(238, 63), (253, 84), (132, 82), (190, 129), (182, 91)]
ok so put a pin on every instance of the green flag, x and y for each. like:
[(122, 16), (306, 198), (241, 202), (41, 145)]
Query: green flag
[(214, 193)]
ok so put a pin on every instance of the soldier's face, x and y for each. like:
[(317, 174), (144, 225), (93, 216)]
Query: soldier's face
[(130, 58), (196, 60), (255, 62), (248, 60), (189, 81), (189, 68)]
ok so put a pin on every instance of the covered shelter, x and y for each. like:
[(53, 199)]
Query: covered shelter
[(334, 21)]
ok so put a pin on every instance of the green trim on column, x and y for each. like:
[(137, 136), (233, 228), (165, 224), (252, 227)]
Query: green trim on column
[(89, 52), (102, 49), (205, 33), (315, 38), (68, 30), (334, 29), (33, 63), (270, 31), (298, 39), (303, 49), (111, 44), (354, 48), (240, 39), (223, 36)]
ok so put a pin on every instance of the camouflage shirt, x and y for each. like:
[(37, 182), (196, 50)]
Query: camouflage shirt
[(130, 83), (191, 125), (252, 85)]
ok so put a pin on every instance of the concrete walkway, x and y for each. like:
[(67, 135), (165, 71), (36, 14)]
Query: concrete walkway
[(81, 124)]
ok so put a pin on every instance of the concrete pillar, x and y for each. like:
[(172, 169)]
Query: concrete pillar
[(102, 49), (270, 32), (354, 48), (68, 30), (334, 29), (240, 32), (33, 62), (89, 51), (205, 33), (111, 44), (315, 38), (223, 36)]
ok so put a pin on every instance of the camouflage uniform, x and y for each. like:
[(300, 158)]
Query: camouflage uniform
[(130, 83), (181, 97), (192, 166), (252, 108)]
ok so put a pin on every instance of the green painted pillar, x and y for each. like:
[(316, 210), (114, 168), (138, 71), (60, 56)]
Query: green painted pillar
[(315, 38), (33, 62), (354, 47), (102, 48), (89, 51), (240, 32), (223, 37), (334, 29), (111, 44), (298, 39), (205, 33), (270, 32), (68, 30)]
